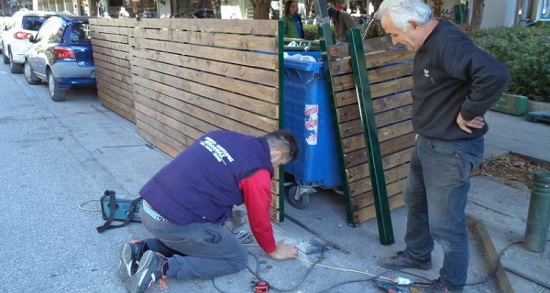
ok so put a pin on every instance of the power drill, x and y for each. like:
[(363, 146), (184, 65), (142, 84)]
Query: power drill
[(388, 287)]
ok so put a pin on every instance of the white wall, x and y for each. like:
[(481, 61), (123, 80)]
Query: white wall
[(499, 13)]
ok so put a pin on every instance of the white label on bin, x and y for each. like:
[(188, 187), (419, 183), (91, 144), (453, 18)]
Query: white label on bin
[(311, 113)]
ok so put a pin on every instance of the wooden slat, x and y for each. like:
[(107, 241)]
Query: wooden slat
[(236, 71), (256, 59), (258, 91), (369, 212)]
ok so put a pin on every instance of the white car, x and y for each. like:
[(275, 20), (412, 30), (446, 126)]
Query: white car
[(16, 33)]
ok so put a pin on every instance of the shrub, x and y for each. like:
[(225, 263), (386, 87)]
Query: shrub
[(526, 52)]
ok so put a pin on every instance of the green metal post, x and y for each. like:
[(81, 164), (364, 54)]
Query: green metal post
[(325, 40), (281, 45), (360, 75), (538, 218)]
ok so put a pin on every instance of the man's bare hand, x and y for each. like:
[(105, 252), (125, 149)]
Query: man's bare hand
[(284, 251), (478, 122)]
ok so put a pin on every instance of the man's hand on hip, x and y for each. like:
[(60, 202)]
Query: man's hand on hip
[(478, 122)]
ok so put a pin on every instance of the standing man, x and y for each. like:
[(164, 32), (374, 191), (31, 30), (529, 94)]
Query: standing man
[(342, 22), (187, 202), (454, 84)]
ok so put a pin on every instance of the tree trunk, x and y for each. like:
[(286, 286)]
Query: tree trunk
[(261, 8), (376, 4)]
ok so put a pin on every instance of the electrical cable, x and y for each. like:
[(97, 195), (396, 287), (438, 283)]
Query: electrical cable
[(368, 26), (82, 208), (257, 276)]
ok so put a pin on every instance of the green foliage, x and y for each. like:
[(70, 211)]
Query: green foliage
[(310, 32), (526, 52)]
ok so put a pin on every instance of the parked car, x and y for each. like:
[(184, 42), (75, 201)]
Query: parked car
[(4, 19), (61, 55), (15, 37)]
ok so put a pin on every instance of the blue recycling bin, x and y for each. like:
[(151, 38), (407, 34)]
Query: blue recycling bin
[(308, 116)]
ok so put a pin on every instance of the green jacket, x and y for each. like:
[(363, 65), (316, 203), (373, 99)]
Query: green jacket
[(291, 30)]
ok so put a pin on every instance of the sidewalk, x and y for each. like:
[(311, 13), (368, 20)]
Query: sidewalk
[(56, 157)]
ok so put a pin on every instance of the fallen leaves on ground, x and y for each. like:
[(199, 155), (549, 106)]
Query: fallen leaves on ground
[(513, 167)]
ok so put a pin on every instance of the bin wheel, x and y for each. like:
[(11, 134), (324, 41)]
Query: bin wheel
[(297, 197)]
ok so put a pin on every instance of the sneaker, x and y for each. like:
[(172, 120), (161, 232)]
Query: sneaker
[(129, 259), (439, 287), (151, 270), (401, 261)]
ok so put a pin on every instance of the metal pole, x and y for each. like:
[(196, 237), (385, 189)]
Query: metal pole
[(538, 218)]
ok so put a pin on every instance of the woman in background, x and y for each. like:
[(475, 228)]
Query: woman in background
[(292, 21)]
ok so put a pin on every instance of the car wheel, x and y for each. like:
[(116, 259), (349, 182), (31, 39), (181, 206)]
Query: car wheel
[(57, 93), (15, 67), (29, 76)]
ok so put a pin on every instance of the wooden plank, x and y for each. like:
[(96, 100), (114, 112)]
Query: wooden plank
[(108, 99), (170, 116), (365, 199), (351, 113), (245, 27), (247, 58), (369, 212), (346, 81), (203, 119), (390, 72), (246, 74), (212, 39), (117, 46), (377, 44), (258, 91), (153, 139), (395, 130), (395, 86), (390, 161), (109, 52), (109, 29), (362, 185), (111, 60), (387, 57), (171, 136), (203, 108), (101, 37), (393, 116)]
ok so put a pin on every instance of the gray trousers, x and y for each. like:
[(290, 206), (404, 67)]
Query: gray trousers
[(198, 250)]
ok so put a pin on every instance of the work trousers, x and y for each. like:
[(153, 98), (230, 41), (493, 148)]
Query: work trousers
[(435, 195), (198, 250)]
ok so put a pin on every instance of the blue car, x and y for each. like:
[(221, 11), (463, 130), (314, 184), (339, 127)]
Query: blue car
[(61, 55)]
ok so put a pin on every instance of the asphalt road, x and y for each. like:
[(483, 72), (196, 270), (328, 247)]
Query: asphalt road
[(53, 158)]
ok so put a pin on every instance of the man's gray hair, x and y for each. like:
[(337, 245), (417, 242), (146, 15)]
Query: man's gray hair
[(401, 11)]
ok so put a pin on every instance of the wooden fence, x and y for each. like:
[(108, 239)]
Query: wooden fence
[(177, 79)]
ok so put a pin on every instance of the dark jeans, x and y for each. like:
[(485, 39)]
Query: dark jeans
[(199, 250), (435, 195)]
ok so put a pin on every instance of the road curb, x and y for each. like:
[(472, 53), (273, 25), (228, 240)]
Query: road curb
[(490, 254)]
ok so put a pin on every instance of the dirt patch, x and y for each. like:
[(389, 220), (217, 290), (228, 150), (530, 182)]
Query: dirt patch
[(514, 169)]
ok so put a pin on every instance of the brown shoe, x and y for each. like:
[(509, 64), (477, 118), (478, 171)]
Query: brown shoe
[(402, 261)]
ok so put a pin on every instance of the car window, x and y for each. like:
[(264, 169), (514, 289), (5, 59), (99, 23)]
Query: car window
[(33, 22), (50, 31), (80, 33)]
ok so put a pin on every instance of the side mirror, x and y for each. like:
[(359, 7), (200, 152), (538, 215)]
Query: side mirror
[(32, 39)]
